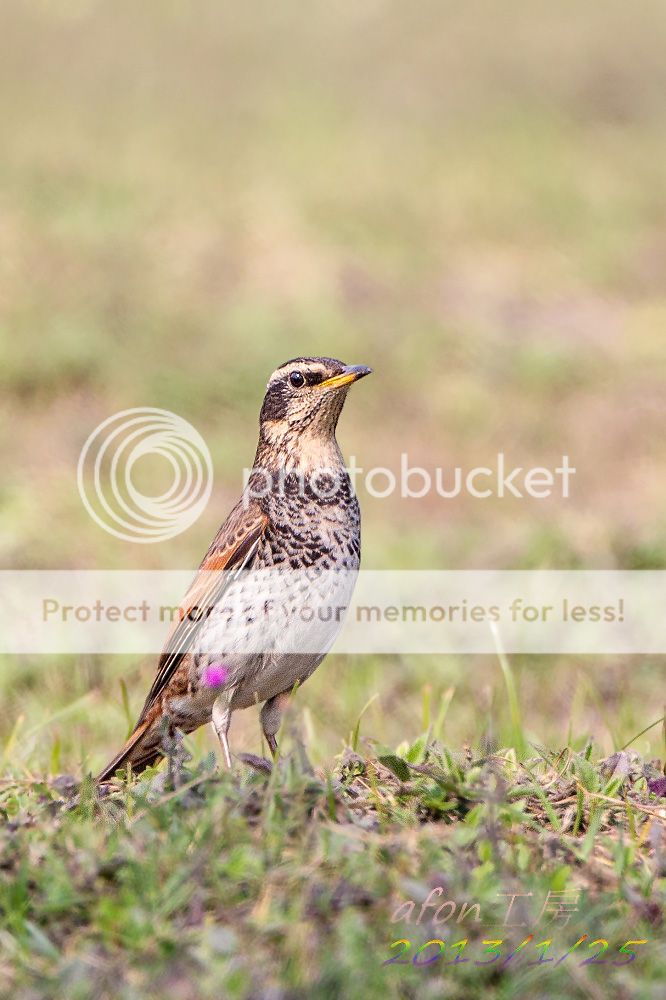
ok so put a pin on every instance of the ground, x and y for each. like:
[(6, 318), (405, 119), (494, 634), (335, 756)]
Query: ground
[(299, 882)]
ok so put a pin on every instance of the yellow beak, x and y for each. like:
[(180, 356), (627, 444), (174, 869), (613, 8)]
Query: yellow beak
[(352, 373)]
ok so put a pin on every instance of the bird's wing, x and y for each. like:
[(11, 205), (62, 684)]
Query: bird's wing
[(233, 550)]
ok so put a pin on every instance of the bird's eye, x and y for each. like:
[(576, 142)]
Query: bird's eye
[(296, 380)]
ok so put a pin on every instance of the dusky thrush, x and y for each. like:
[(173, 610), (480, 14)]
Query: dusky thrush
[(299, 519)]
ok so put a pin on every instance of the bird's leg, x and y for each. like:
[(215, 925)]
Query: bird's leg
[(221, 721), (271, 717)]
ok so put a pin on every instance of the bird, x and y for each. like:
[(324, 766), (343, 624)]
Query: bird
[(241, 636)]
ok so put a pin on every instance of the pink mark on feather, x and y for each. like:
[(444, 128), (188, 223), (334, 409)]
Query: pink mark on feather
[(215, 675)]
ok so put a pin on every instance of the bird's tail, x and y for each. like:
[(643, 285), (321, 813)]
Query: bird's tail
[(140, 751)]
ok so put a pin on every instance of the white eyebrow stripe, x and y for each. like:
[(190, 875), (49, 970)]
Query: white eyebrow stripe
[(281, 372)]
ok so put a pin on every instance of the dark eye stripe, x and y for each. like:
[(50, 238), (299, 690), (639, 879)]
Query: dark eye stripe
[(300, 378)]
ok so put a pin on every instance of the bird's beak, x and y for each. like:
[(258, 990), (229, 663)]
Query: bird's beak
[(351, 373)]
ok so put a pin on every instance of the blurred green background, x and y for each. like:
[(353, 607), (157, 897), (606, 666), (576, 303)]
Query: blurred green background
[(470, 198)]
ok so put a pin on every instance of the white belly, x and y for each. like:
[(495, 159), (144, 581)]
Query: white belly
[(272, 628)]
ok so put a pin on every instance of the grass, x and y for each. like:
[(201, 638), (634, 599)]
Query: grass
[(299, 881), (302, 879)]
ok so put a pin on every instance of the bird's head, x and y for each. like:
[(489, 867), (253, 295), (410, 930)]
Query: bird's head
[(304, 396)]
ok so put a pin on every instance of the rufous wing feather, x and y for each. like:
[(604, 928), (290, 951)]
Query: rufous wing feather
[(233, 550)]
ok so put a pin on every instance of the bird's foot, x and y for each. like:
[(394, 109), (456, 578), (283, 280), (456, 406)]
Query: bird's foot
[(256, 762)]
